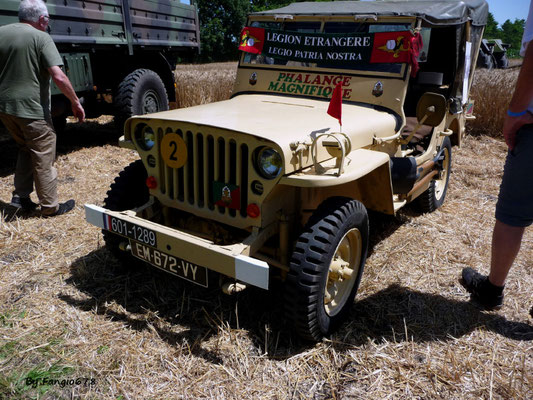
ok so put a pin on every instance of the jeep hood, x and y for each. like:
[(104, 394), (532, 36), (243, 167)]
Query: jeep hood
[(284, 120)]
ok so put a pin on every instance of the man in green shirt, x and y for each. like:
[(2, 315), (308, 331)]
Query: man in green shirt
[(28, 58)]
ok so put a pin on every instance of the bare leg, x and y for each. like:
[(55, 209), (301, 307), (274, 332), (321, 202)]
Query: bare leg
[(506, 240)]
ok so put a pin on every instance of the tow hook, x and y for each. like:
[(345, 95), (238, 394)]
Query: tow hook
[(233, 287), (124, 246)]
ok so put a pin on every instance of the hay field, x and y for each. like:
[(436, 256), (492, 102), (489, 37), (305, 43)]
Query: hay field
[(205, 83), (70, 317), (491, 92)]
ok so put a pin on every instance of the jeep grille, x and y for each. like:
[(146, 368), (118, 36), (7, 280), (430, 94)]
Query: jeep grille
[(210, 158)]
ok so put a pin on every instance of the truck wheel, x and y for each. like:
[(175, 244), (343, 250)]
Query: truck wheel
[(503, 61), (60, 123), (128, 191), (326, 268), (485, 61), (141, 92), (434, 196)]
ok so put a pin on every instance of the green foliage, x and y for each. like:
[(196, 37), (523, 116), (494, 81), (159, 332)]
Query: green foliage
[(102, 349), (509, 32), (49, 347), (8, 349), (491, 29), (261, 5), (7, 319), (17, 384), (221, 22), (512, 34)]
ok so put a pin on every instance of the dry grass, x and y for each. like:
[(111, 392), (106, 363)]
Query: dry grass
[(67, 312), (201, 84), (515, 62)]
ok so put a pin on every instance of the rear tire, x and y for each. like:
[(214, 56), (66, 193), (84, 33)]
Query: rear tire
[(326, 268), (434, 196), (141, 92), (60, 123), (127, 192), (502, 61)]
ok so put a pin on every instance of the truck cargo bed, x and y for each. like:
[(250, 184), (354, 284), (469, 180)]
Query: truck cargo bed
[(128, 23)]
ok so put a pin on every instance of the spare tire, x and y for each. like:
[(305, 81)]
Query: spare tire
[(141, 92), (127, 192)]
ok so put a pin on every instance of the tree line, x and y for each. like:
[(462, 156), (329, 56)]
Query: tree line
[(221, 22), (509, 32)]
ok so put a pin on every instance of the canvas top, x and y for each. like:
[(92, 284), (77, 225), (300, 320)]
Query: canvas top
[(439, 12)]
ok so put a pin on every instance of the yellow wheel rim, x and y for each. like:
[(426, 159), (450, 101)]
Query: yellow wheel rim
[(440, 184), (343, 271)]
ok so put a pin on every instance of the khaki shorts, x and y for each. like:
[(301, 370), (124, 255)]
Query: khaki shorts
[(515, 201)]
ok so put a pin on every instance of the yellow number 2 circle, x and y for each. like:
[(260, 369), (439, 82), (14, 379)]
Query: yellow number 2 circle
[(173, 150)]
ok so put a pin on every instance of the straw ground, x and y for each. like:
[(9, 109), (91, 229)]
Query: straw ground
[(71, 317)]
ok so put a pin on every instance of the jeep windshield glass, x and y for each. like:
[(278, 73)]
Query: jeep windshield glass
[(328, 45)]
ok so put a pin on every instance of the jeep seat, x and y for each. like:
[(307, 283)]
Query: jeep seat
[(421, 138)]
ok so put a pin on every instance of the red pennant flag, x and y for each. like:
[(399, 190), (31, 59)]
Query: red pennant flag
[(416, 46), (252, 40), (335, 104), (397, 47)]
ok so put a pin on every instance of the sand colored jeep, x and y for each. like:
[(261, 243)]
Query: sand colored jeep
[(268, 185)]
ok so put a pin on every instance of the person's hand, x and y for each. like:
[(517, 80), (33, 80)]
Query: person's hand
[(78, 111), (511, 125)]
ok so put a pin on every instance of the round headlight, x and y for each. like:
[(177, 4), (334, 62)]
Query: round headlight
[(269, 163), (145, 137), (148, 139)]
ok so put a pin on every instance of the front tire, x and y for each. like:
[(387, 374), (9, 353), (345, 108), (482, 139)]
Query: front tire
[(434, 196), (127, 192), (326, 268)]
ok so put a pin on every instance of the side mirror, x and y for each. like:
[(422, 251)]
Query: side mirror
[(431, 109)]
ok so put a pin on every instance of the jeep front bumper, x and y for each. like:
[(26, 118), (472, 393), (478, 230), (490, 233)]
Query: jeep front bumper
[(177, 252)]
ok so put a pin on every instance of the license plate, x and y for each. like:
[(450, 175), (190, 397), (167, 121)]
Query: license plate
[(176, 266), (132, 231)]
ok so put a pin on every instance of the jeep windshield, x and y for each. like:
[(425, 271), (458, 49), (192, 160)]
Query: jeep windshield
[(327, 45)]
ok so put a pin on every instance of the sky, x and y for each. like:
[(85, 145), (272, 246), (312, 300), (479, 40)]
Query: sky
[(508, 9)]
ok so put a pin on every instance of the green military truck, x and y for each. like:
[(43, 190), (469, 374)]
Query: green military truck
[(269, 187), (493, 54), (120, 55)]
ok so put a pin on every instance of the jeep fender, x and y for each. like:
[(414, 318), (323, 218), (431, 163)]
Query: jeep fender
[(366, 178)]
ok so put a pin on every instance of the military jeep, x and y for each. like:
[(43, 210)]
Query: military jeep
[(338, 108)]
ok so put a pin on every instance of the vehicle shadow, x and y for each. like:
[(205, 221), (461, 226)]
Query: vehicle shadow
[(399, 313), (381, 226), (144, 291), (76, 135), (144, 298)]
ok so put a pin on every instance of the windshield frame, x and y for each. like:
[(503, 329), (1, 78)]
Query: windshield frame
[(401, 74)]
